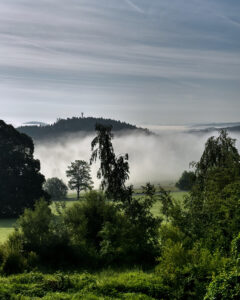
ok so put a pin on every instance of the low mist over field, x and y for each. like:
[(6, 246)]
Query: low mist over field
[(154, 158)]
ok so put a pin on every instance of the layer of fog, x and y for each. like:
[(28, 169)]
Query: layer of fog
[(154, 158)]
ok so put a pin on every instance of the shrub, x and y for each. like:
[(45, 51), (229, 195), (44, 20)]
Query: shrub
[(188, 271), (34, 226), (225, 286), (13, 263), (85, 220)]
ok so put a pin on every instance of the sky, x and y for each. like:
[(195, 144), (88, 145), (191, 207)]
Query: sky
[(147, 62)]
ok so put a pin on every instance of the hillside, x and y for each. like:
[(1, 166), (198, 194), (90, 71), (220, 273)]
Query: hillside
[(233, 129), (75, 125)]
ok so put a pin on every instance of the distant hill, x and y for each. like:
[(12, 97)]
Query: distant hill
[(74, 125), (234, 129), (217, 125), (230, 129)]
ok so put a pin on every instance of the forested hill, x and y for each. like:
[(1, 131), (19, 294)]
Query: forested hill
[(75, 125)]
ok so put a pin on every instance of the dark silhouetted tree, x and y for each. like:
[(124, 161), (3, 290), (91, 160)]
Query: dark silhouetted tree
[(114, 171), (80, 178), (56, 188), (20, 179)]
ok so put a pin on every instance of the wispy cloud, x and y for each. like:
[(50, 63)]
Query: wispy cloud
[(134, 6)]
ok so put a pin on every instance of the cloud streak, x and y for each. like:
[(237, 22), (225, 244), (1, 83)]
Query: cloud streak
[(134, 6)]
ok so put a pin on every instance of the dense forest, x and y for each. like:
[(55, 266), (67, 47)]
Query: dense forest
[(74, 125), (190, 250)]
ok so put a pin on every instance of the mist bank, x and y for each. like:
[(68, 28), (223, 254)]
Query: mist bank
[(155, 158)]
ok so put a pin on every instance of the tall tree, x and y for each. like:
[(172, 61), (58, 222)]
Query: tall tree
[(20, 179), (80, 178), (114, 170), (211, 211)]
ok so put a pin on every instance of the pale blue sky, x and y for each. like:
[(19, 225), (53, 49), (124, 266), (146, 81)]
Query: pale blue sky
[(142, 61)]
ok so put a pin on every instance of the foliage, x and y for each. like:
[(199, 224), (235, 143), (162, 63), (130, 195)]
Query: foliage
[(166, 202), (13, 263), (143, 232), (188, 271), (114, 171), (133, 285), (85, 220), (20, 179), (80, 178), (226, 284), (211, 211), (40, 234), (139, 240), (186, 181), (195, 245), (56, 188), (219, 152)]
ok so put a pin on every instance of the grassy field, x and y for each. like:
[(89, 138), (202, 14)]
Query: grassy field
[(7, 225)]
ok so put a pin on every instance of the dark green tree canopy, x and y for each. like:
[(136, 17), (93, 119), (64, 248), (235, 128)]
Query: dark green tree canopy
[(211, 211), (80, 177), (114, 170), (220, 152), (186, 181), (20, 179), (56, 188)]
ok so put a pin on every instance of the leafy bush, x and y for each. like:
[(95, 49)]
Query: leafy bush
[(39, 237), (84, 222), (225, 286), (188, 271), (13, 263), (34, 226), (13, 260)]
